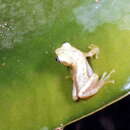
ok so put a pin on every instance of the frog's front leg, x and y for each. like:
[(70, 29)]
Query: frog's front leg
[(75, 87), (94, 51), (74, 93), (94, 84)]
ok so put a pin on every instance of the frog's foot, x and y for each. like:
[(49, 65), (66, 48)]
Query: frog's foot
[(105, 77), (93, 52)]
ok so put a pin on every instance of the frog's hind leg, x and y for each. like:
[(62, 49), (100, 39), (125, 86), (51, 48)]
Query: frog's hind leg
[(90, 88), (96, 84)]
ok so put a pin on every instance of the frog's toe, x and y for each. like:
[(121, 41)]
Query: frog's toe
[(110, 81), (109, 74), (105, 77)]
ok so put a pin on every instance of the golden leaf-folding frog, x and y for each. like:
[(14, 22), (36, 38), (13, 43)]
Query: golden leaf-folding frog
[(86, 82)]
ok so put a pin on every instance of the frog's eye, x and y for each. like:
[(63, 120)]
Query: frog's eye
[(57, 59)]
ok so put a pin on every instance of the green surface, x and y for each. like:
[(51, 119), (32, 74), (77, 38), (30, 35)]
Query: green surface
[(34, 91)]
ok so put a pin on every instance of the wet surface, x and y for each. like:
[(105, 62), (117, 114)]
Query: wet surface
[(34, 90)]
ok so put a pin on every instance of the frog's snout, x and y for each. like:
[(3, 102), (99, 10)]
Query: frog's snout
[(57, 59)]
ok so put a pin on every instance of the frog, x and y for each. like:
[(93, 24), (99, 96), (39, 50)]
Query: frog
[(86, 82)]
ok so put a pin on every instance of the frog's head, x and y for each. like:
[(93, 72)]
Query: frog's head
[(66, 54)]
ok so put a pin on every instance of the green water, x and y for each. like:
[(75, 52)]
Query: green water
[(34, 91)]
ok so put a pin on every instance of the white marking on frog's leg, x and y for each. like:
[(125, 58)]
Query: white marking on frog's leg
[(94, 51), (87, 89)]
